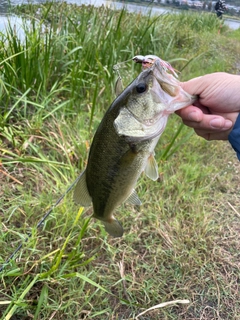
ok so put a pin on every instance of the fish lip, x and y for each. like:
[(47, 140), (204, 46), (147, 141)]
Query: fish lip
[(171, 80)]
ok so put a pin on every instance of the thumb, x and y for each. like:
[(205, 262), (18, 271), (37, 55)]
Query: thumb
[(193, 86)]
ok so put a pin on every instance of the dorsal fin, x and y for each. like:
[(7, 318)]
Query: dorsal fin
[(118, 86)]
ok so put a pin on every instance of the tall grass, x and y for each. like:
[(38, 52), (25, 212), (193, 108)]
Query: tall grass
[(55, 86), (67, 53)]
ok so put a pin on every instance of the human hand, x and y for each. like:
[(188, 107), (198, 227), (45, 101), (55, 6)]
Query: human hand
[(214, 113)]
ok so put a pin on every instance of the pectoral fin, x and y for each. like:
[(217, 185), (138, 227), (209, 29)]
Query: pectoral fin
[(151, 169), (81, 195)]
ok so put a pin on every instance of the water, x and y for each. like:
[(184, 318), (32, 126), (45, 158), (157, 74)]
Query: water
[(233, 24), (5, 8), (4, 4), (15, 21)]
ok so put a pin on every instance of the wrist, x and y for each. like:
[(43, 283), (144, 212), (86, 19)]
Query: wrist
[(234, 136)]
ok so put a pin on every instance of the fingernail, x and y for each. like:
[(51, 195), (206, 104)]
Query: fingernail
[(228, 124), (216, 123)]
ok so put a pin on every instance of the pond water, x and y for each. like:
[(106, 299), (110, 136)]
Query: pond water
[(6, 8), (232, 23)]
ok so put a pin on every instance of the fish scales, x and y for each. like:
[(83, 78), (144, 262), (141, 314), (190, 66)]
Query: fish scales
[(123, 145)]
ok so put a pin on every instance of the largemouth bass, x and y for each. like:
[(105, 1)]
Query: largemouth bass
[(123, 145)]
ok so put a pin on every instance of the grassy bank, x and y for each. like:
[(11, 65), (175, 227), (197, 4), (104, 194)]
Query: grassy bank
[(182, 243)]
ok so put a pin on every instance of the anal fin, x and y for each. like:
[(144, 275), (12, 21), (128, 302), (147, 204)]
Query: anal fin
[(133, 199), (113, 227)]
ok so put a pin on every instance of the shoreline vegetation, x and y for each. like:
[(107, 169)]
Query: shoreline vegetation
[(182, 243)]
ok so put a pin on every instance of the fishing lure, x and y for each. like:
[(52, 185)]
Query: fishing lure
[(148, 61)]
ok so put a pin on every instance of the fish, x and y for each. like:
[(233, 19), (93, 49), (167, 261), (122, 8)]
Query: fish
[(124, 142)]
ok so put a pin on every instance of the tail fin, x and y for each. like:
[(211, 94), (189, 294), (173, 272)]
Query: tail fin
[(114, 228)]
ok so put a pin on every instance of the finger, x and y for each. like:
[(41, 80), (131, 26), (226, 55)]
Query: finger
[(193, 86), (213, 135), (213, 90), (190, 113), (210, 123), (197, 86)]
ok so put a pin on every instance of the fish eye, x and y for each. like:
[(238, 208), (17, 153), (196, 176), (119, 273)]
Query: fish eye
[(141, 87)]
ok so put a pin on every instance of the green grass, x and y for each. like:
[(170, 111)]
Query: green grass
[(182, 243)]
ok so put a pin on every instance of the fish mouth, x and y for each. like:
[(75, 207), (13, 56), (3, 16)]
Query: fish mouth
[(170, 86), (147, 120)]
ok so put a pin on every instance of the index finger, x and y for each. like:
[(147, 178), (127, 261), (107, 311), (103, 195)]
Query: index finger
[(191, 113)]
